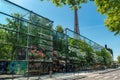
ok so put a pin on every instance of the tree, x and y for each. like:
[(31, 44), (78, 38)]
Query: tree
[(110, 8), (4, 49), (107, 57), (16, 34), (59, 40), (118, 58), (74, 4), (59, 28), (40, 21)]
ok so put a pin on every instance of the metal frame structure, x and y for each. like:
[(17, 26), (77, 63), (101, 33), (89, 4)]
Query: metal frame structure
[(24, 31), (77, 38), (29, 45)]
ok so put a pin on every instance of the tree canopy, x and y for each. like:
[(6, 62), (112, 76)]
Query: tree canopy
[(118, 58), (59, 28), (110, 8), (74, 4)]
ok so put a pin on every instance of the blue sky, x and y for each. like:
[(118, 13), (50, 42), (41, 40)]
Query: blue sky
[(91, 22)]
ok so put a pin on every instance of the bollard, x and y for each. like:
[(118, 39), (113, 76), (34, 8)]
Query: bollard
[(50, 74)]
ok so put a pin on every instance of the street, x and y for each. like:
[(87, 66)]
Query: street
[(114, 75)]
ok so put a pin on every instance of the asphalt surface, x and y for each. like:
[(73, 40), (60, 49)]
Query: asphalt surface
[(110, 75)]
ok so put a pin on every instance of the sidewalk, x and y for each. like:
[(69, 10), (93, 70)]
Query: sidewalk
[(63, 76), (56, 76)]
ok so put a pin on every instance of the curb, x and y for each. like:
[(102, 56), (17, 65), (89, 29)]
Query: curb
[(108, 71), (74, 78)]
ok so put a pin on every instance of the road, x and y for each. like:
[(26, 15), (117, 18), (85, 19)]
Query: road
[(114, 75)]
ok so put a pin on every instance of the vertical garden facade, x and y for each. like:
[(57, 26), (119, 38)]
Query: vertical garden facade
[(29, 45), (25, 38)]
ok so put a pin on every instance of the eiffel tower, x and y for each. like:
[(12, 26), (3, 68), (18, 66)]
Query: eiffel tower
[(76, 25)]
